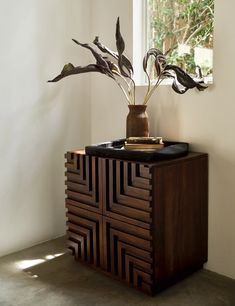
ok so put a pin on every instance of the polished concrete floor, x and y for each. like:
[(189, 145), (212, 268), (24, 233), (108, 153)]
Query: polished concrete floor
[(47, 275)]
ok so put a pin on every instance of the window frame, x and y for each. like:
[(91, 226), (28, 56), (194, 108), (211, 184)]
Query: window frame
[(140, 44)]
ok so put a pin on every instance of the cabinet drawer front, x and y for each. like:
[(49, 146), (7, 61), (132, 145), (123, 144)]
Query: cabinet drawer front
[(84, 230), (83, 181), (127, 191), (128, 253)]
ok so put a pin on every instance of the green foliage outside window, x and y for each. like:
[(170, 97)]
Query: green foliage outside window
[(188, 24)]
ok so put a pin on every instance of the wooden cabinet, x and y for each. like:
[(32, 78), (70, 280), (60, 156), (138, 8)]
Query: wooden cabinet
[(142, 223)]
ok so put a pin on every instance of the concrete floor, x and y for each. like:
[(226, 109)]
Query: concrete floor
[(47, 275)]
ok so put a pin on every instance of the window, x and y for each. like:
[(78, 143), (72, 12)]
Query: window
[(185, 27)]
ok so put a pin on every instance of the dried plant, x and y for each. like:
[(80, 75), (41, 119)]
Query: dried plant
[(118, 67)]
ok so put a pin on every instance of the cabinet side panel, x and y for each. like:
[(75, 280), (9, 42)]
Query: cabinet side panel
[(180, 219)]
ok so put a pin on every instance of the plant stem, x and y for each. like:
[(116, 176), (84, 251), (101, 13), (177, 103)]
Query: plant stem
[(133, 91), (123, 90), (128, 96), (149, 94)]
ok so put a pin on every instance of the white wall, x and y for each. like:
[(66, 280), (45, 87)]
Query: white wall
[(108, 102), (39, 121), (205, 120)]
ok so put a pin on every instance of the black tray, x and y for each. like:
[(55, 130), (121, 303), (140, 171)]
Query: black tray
[(113, 149)]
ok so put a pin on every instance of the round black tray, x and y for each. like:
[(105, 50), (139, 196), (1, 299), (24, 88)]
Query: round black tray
[(114, 149)]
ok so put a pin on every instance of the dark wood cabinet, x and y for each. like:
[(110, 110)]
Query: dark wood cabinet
[(142, 223)]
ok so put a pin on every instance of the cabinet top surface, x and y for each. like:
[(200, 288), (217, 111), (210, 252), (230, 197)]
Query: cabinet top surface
[(189, 156)]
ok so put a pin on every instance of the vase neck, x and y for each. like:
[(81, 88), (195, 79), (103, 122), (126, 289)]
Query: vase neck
[(137, 108)]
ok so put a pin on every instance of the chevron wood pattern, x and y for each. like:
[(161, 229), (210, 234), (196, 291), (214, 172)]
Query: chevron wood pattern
[(84, 230), (128, 253), (83, 181), (144, 224), (127, 191)]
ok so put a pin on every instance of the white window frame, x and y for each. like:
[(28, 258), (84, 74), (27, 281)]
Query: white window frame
[(139, 39)]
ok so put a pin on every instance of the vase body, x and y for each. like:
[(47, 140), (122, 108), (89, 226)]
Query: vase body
[(137, 122)]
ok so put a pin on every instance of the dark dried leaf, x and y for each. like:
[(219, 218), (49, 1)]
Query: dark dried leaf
[(168, 74), (177, 89), (67, 68), (104, 49), (114, 68), (184, 79), (127, 64), (125, 61), (126, 73), (175, 86), (100, 60), (159, 61), (75, 70), (201, 86), (119, 40)]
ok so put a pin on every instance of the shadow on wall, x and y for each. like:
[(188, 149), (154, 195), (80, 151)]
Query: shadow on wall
[(163, 112)]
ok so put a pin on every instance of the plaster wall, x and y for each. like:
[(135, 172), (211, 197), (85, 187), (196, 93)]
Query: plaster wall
[(38, 121), (205, 120)]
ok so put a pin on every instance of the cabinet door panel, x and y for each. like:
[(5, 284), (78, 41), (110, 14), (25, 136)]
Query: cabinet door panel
[(83, 181), (127, 191), (84, 230), (128, 253)]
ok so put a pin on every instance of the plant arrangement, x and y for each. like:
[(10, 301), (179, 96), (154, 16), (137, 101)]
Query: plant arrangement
[(118, 67)]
